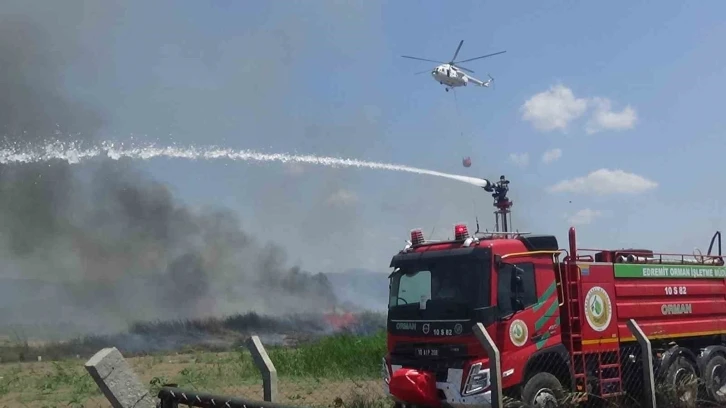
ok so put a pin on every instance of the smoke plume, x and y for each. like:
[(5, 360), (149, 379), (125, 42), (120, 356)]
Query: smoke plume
[(102, 245)]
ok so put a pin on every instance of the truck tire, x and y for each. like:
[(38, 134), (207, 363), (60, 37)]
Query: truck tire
[(681, 378), (714, 378), (543, 390)]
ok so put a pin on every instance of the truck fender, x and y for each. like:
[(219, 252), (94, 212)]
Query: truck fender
[(671, 355), (706, 355), (542, 359)]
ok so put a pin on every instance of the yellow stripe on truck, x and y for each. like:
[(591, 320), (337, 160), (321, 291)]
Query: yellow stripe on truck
[(655, 337)]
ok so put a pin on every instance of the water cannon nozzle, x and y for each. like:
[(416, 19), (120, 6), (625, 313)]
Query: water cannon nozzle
[(488, 185)]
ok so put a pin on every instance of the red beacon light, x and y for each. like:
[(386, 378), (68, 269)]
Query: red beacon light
[(417, 237), (460, 232)]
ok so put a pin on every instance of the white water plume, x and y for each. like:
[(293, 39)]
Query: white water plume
[(73, 153)]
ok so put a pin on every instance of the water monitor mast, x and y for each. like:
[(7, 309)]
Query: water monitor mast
[(502, 203)]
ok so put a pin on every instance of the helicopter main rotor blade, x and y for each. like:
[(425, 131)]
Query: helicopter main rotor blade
[(483, 56), (423, 59), (457, 50)]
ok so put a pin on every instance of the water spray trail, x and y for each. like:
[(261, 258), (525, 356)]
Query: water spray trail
[(73, 153)]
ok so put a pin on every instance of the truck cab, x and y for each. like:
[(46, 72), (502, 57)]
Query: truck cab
[(574, 326), (440, 290)]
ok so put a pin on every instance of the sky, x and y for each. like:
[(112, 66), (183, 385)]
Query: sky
[(604, 116)]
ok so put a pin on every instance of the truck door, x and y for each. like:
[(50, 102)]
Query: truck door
[(528, 306), (547, 307)]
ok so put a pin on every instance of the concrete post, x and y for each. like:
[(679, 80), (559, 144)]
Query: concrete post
[(495, 364), (117, 381), (647, 357), (267, 369)]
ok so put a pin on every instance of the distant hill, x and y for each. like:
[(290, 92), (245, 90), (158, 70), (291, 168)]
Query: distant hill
[(361, 288)]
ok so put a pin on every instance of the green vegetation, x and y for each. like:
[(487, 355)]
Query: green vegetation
[(210, 334), (46, 384), (339, 371), (343, 355)]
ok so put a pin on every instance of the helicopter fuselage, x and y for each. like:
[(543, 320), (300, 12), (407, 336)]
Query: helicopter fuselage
[(447, 75)]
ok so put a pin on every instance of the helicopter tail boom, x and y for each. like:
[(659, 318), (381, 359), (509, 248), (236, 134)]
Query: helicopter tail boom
[(480, 82), (487, 83)]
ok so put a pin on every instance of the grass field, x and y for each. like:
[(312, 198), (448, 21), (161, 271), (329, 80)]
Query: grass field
[(212, 334), (340, 370)]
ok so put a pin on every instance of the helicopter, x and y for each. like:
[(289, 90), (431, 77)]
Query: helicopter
[(451, 75)]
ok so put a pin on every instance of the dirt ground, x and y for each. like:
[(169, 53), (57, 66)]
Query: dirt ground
[(66, 383)]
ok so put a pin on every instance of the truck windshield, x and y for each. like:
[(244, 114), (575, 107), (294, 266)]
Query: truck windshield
[(448, 281)]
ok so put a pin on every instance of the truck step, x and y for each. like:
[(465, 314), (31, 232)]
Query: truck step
[(604, 366), (610, 380), (613, 394)]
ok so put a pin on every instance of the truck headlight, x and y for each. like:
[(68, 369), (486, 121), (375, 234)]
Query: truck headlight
[(384, 372), (477, 381)]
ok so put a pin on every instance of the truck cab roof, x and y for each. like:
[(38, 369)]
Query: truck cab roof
[(499, 245)]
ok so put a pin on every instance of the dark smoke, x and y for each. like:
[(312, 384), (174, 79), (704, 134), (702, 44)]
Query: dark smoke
[(103, 245)]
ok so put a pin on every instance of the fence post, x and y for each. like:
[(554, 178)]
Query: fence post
[(647, 356), (495, 367), (267, 369), (117, 381)]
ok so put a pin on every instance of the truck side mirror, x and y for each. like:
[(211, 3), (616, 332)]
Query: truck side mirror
[(517, 289), (517, 280)]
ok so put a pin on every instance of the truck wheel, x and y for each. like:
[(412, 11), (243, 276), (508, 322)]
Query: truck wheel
[(714, 377), (682, 380), (543, 390)]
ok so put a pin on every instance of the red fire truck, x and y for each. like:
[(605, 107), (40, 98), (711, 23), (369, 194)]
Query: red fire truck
[(558, 316)]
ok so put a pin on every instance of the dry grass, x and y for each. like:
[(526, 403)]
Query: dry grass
[(65, 383), (211, 334)]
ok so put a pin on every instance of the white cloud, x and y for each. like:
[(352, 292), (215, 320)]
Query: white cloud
[(551, 155), (342, 197), (606, 181), (584, 216), (520, 159), (604, 118), (553, 109)]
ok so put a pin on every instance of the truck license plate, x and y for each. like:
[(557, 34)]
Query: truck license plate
[(427, 352)]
